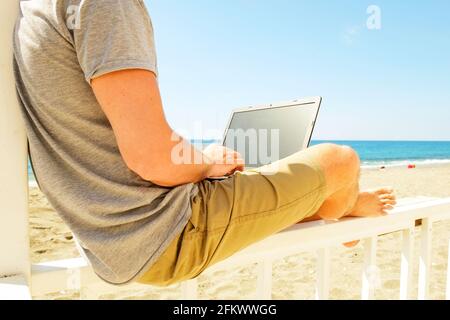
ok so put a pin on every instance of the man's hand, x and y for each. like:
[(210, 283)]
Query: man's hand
[(224, 161)]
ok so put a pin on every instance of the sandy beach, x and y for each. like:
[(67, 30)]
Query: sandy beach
[(293, 276)]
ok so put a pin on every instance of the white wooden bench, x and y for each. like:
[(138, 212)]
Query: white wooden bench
[(21, 280)]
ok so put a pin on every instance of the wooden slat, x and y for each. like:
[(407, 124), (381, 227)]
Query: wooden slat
[(315, 235), (369, 269), (425, 259), (264, 285), (406, 269), (14, 288), (59, 275), (447, 294), (413, 201), (14, 237), (323, 274), (190, 290), (51, 277)]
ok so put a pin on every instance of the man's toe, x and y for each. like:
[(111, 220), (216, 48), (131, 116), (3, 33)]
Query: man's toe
[(389, 201), (385, 191)]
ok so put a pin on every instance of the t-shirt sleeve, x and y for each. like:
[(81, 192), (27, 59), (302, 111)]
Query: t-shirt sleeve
[(113, 35)]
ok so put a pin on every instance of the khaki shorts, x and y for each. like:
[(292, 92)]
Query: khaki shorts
[(232, 214)]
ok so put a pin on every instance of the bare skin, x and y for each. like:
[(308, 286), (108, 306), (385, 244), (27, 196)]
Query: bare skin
[(374, 203), (131, 100), (132, 103), (341, 168), (371, 204)]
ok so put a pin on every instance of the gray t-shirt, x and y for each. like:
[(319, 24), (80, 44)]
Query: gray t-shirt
[(122, 222)]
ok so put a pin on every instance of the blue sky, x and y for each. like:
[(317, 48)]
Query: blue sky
[(387, 84)]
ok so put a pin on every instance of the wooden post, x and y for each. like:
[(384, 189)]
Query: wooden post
[(264, 285), (447, 291), (425, 259), (190, 290), (406, 272), (14, 239), (323, 274), (369, 273)]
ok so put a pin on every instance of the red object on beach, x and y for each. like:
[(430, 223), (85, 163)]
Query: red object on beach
[(411, 166)]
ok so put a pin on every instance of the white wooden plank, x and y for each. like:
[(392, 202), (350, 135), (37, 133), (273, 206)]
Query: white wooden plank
[(440, 216), (424, 209), (447, 294), (14, 239), (264, 284), (425, 259), (413, 201), (190, 290), (75, 274), (323, 274), (60, 275), (406, 269), (369, 272), (299, 238), (14, 288), (315, 235), (59, 264)]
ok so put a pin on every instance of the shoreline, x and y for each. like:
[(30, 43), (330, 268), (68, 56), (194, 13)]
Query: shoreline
[(406, 163)]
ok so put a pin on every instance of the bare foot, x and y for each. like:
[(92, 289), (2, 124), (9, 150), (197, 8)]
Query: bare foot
[(374, 203)]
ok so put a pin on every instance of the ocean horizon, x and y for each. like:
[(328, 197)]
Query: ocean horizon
[(374, 154), (397, 153)]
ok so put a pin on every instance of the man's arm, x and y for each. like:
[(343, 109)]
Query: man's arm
[(131, 101)]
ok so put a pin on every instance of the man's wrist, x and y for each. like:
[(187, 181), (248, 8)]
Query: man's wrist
[(208, 163), (207, 172)]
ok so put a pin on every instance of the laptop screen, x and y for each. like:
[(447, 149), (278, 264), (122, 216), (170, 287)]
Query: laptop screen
[(263, 136)]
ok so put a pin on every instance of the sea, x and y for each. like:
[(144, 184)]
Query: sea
[(376, 154), (398, 153)]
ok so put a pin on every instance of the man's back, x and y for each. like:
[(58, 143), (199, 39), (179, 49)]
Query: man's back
[(122, 221)]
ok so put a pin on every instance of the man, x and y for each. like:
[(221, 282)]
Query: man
[(102, 152)]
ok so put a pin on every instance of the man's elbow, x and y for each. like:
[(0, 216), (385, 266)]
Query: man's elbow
[(162, 179), (161, 174)]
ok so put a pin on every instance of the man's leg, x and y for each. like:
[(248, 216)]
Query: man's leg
[(348, 200), (341, 168), (229, 215), (338, 204)]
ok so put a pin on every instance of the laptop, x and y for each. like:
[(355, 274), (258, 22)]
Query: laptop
[(268, 133)]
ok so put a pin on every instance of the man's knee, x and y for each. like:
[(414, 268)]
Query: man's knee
[(342, 155), (340, 164), (350, 159)]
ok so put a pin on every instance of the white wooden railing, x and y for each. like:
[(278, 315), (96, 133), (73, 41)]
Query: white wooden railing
[(20, 280), (321, 237), (14, 243)]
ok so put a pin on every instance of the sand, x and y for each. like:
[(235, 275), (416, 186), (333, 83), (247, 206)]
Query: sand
[(294, 276)]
